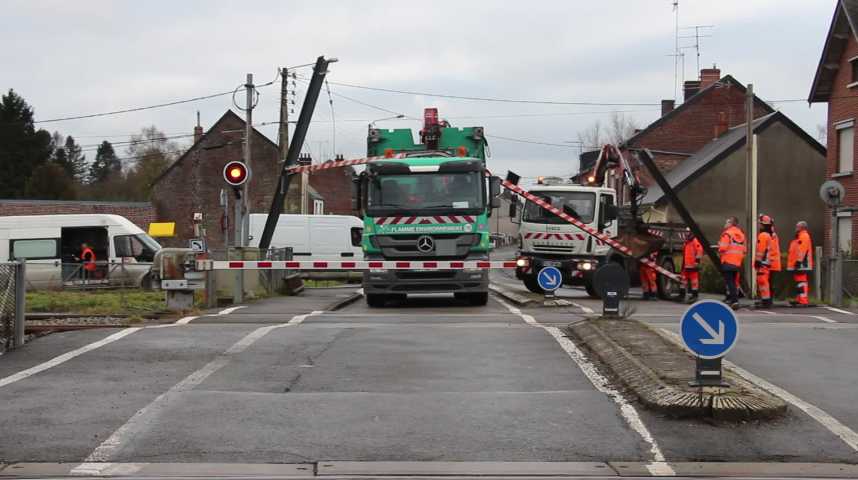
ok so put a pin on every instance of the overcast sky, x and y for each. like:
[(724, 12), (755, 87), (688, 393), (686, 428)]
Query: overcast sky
[(71, 58)]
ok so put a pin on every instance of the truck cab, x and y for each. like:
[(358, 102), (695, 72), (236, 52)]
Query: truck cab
[(548, 240)]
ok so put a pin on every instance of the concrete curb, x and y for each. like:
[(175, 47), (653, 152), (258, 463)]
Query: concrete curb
[(339, 304), (743, 402), (513, 297)]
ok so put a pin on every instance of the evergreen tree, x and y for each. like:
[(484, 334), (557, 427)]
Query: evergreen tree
[(22, 148), (106, 164), (75, 164)]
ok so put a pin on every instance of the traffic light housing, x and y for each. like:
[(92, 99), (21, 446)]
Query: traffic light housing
[(236, 173)]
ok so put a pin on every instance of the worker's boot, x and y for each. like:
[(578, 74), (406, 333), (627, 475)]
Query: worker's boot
[(681, 297), (764, 303), (693, 297)]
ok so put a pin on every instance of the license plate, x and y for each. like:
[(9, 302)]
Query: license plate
[(551, 263)]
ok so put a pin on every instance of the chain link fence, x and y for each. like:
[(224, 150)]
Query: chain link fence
[(12, 292)]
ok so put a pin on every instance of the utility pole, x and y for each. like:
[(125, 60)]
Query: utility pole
[(249, 89), (283, 131), (750, 190)]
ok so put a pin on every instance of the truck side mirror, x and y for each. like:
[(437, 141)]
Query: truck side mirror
[(356, 200), (513, 211), (611, 212), (494, 191)]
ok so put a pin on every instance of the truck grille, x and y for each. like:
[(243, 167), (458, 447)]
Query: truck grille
[(553, 249), (448, 246), (432, 275)]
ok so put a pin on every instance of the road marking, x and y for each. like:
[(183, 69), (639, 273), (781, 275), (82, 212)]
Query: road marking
[(186, 320), (767, 312), (227, 311), (583, 308), (298, 319), (845, 312), (658, 466), (66, 357), (142, 418), (824, 319), (849, 436)]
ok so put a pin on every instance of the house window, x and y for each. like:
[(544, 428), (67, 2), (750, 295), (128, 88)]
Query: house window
[(854, 64), (318, 207), (844, 234), (845, 147)]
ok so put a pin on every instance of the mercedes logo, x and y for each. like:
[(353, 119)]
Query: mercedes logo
[(425, 244)]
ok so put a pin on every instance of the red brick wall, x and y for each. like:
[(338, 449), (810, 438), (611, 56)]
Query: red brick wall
[(194, 184), (140, 213), (839, 109), (688, 130), (335, 186)]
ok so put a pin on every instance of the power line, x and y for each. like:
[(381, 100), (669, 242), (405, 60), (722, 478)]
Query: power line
[(534, 142)]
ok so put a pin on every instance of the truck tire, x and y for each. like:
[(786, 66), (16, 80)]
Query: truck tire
[(591, 290), (478, 299), (376, 300), (667, 288), (532, 284)]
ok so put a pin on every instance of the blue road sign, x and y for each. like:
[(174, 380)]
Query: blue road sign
[(549, 278), (709, 329)]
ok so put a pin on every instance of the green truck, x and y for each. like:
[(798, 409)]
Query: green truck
[(427, 201)]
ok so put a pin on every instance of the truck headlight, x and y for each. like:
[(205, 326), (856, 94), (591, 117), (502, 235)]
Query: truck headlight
[(521, 262), (586, 266)]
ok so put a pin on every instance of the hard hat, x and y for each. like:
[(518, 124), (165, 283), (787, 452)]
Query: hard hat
[(801, 224), (766, 220)]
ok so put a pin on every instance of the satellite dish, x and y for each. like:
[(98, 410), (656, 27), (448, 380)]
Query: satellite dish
[(613, 277), (832, 193)]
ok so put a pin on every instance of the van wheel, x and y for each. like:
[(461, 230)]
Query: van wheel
[(376, 300), (667, 288), (591, 290), (532, 284)]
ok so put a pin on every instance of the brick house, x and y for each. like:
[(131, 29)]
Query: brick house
[(711, 105), (194, 181), (836, 83)]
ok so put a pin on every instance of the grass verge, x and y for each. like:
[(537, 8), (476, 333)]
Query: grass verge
[(99, 302)]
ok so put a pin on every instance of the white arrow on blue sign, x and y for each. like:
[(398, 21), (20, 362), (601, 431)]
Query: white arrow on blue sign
[(709, 329), (549, 278)]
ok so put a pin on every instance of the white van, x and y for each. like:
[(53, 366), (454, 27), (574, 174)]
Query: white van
[(322, 237), (51, 244)]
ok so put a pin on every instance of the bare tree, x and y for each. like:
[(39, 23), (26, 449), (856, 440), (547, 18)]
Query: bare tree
[(619, 128)]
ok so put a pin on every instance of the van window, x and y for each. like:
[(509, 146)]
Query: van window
[(34, 248), (141, 248)]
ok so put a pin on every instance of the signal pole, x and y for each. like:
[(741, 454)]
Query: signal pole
[(248, 135), (750, 192)]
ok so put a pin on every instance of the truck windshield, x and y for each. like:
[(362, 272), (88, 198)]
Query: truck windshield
[(583, 204), (425, 191)]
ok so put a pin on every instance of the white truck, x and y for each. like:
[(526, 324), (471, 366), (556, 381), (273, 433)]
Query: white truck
[(547, 240)]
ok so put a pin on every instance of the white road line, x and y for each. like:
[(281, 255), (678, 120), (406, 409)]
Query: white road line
[(845, 312), (142, 418), (767, 312), (298, 319), (658, 466), (227, 311), (66, 357), (824, 319), (583, 308), (186, 320), (849, 436)]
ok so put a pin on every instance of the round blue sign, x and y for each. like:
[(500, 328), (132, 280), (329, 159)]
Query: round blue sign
[(709, 329), (549, 278)]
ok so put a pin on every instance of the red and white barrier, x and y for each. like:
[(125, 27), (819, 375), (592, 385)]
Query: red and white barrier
[(354, 265)]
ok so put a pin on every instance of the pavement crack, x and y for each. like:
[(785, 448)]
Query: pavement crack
[(311, 359)]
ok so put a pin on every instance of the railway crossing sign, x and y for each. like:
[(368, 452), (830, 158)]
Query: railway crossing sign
[(709, 329), (549, 279)]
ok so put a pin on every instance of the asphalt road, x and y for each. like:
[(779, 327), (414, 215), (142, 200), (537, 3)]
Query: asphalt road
[(283, 380)]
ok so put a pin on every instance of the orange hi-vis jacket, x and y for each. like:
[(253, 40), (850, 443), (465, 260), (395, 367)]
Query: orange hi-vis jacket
[(88, 257), (769, 251), (691, 254), (731, 246), (800, 255)]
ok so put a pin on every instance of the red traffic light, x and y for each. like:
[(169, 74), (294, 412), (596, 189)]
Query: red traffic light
[(235, 173)]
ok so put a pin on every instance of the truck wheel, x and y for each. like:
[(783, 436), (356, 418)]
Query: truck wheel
[(478, 299), (532, 284), (591, 290), (376, 300), (667, 288)]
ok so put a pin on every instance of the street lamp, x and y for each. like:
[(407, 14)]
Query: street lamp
[(372, 123)]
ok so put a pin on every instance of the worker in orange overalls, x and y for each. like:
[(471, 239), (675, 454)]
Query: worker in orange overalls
[(799, 262), (767, 260), (692, 253), (87, 257), (648, 278), (731, 250)]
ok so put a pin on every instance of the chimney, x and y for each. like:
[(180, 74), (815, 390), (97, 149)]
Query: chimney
[(198, 130), (708, 76), (667, 106), (722, 126), (690, 88)]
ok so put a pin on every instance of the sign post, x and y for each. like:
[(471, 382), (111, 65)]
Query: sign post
[(549, 279), (709, 329)]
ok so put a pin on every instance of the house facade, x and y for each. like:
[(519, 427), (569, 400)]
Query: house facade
[(836, 83)]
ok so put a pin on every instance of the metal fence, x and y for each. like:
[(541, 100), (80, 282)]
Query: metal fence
[(13, 290)]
